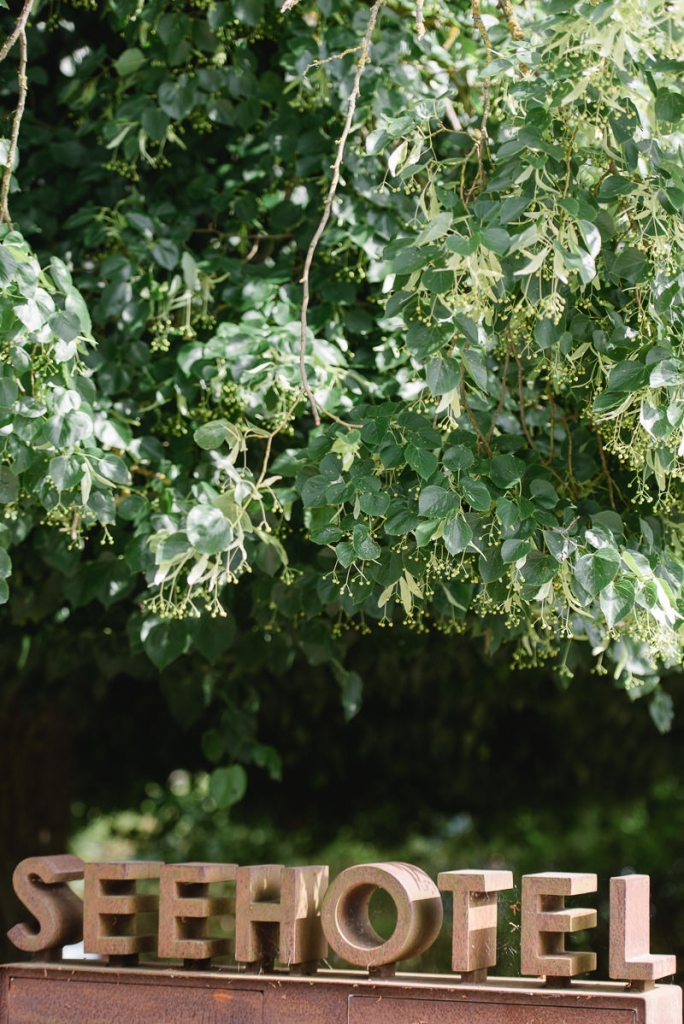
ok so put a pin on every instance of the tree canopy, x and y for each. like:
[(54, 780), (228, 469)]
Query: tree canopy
[(323, 319)]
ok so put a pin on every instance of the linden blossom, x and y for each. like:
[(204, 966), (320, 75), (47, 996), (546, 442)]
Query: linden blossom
[(293, 914)]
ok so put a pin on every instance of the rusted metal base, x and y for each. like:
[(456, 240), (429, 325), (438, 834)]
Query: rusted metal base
[(74, 993)]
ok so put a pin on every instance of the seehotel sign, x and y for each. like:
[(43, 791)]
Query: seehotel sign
[(287, 919)]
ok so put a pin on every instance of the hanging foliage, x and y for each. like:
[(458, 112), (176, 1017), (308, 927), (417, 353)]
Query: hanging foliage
[(375, 312)]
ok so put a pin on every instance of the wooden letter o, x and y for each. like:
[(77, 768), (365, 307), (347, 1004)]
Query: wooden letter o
[(347, 925)]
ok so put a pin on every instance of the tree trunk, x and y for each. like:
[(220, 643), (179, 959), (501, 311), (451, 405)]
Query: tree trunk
[(35, 795)]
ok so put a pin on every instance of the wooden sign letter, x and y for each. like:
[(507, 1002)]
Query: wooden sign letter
[(277, 913), (345, 913), (112, 904), (545, 921), (40, 884), (630, 958), (475, 918), (185, 908)]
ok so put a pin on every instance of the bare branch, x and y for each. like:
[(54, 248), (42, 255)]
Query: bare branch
[(514, 30), (18, 29), (327, 206), (18, 114), (480, 26), (420, 19)]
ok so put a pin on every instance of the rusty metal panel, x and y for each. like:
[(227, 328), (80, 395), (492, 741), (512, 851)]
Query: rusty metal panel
[(70, 993), (377, 1010), (32, 1001)]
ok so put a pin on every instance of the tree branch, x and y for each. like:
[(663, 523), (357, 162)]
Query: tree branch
[(18, 114), (327, 206), (506, 8), (18, 29)]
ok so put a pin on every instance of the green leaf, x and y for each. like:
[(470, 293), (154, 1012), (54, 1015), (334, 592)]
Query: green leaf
[(111, 467), (227, 786), (475, 365), (630, 265), (374, 504), (491, 565), (68, 430), (208, 530), (457, 535), (9, 392), (512, 550), (4, 592), (8, 267), (66, 472), (363, 543), (30, 315), (669, 106), (129, 62), (9, 485), (617, 601), (475, 493), (164, 642), (668, 373), (5, 565), (155, 122), (248, 12), (352, 694), (591, 236), (539, 569), (457, 458), (443, 375), (661, 710), (507, 512), (614, 186), (436, 503), (506, 471), (435, 228), (166, 254), (411, 259), (176, 99), (595, 571), (420, 460), (345, 554), (543, 493), (438, 281), (211, 436), (65, 324), (400, 523), (628, 376), (496, 240), (467, 327), (314, 491)]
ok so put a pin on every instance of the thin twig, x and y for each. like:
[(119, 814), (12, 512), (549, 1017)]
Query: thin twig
[(523, 421), (609, 479), (420, 19), (335, 56), (471, 416), (342, 423), (506, 8), (479, 25), (502, 397), (16, 123), (18, 28), (452, 115), (269, 441), (327, 206)]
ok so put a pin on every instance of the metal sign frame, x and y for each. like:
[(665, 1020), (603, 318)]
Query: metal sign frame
[(78, 993)]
